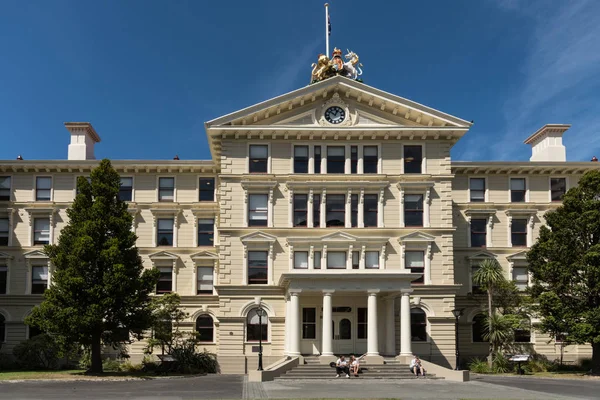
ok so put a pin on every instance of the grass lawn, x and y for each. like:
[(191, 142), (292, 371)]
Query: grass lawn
[(72, 374)]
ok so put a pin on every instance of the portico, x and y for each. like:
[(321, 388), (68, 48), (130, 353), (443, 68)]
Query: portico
[(358, 303)]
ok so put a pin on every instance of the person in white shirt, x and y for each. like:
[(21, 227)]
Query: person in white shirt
[(416, 367), (341, 366), (354, 365)]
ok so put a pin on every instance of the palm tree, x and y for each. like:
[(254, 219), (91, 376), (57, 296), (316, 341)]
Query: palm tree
[(488, 276)]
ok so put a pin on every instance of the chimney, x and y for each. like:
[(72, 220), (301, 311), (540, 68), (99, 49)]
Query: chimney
[(546, 143), (83, 138)]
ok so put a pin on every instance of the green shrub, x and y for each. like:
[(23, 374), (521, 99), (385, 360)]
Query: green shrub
[(7, 362), (111, 365), (191, 362), (127, 366), (39, 352), (585, 364), (479, 366), (500, 364), (85, 360)]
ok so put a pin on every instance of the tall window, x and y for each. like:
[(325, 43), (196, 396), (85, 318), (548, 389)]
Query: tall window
[(478, 232), (316, 210), (336, 210), (336, 260), (370, 210), (317, 259), (353, 159), (479, 326), (257, 210), (418, 325), (164, 233), (413, 210), (523, 334), (126, 189), (206, 189), (317, 159), (205, 329), (4, 188), (362, 323), (165, 280), (336, 159), (300, 260), (372, 259), (256, 327), (3, 281), (558, 188), (517, 190), (2, 329), (43, 188), (206, 232), (518, 232), (41, 231), (309, 323), (413, 159), (259, 155), (4, 232), (520, 276), (476, 288), (354, 210), (355, 259), (477, 189), (257, 268), (39, 279), (300, 209), (300, 159), (205, 280), (415, 261), (166, 189), (370, 159)]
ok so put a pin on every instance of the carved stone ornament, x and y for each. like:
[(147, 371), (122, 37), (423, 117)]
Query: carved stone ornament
[(336, 101)]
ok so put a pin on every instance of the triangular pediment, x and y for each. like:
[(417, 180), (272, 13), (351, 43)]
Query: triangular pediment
[(481, 255), (258, 237), (35, 254), (204, 255), (366, 106), (339, 237), (417, 237), (163, 255), (4, 256), (520, 256)]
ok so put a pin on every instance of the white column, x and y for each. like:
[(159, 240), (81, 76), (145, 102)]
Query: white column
[(270, 201), (361, 208), (530, 231), (174, 276), (349, 258), (390, 329), (291, 208), (309, 209), (405, 334), (288, 311), (347, 168), (488, 231), (372, 339), (427, 269), (360, 169), (323, 209), (401, 207), (311, 160), (348, 210), (426, 206), (327, 338), (294, 324), (380, 223)]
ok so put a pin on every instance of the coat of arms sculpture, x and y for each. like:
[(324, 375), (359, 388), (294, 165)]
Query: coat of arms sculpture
[(326, 68)]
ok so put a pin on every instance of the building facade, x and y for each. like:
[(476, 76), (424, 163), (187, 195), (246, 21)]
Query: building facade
[(335, 207)]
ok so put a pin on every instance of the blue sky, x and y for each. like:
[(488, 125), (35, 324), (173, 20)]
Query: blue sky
[(148, 74)]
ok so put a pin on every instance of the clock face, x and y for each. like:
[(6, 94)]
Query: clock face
[(335, 115)]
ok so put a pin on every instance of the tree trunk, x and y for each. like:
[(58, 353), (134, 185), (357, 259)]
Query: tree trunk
[(596, 358), (491, 348), (96, 354)]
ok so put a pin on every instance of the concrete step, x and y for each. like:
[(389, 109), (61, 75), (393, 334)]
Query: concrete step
[(362, 376)]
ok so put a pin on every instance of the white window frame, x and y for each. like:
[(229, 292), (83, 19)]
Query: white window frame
[(311, 165), (263, 188), (566, 178), (424, 188), (198, 177), (486, 195), (423, 152), (475, 261), (132, 186), (204, 265), (166, 259), (529, 216), (41, 213), (269, 157), (489, 216), (36, 257), (11, 196), (157, 197), (34, 194), (166, 214), (204, 259), (526, 178), (9, 214), (427, 323)]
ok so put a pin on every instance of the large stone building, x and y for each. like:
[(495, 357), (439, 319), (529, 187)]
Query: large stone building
[(336, 207)]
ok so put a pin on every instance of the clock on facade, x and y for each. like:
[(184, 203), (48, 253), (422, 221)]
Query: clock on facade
[(335, 115)]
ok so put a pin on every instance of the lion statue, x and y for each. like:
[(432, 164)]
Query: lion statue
[(322, 69)]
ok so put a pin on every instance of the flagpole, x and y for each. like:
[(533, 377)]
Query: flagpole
[(327, 29)]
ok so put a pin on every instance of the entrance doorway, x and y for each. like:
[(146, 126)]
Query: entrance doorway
[(343, 341)]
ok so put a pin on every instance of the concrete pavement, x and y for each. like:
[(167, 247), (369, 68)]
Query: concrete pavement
[(572, 388)]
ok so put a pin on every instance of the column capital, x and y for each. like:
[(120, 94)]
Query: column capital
[(373, 292), (294, 292), (406, 292), (328, 292)]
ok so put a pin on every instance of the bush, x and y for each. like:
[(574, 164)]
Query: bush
[(500, 364), (7, 362), (127, 366), (585, 364), (111, 365), (479, 366), (39, 352), (191, 362), (85, 361)]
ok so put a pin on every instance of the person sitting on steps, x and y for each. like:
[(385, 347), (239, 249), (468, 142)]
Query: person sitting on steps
[(354, 365), (416, 367), (341, 366)]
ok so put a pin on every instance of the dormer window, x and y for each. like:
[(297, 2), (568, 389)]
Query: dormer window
[(259, 155)]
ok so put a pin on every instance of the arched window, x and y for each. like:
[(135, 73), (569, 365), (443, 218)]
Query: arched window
[(418, 325), (345, 329), (2, 329), (254, 330), (205, 328), (479, 328)]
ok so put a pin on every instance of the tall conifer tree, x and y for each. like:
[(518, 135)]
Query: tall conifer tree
[(99, 286)]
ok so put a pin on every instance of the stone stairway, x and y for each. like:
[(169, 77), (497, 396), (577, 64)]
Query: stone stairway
[(313, 370)]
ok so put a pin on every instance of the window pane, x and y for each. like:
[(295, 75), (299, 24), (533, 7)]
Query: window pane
[(355, 259), (257, 267), (44, 183), (4, 188), (477, 184), (205, 280), (259, 151), (478, 232), (370, 159), (413, 157), (300, 151), (335, 151), (300, 159), (166, 224), (3, 284), (336, 260), (206, 229), (418, 324), (336, 210), (41, 228), (372, 259), (517, 184), (166, 189), (207, 189), (300, 209), (317, 159), (558, 187), (126, 189), (370, 209), (519, 232), (301, 260), (336, 159), (257, 210), (316, 210), (520, 274), (317, 259), (164, 235), (414, 259)]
